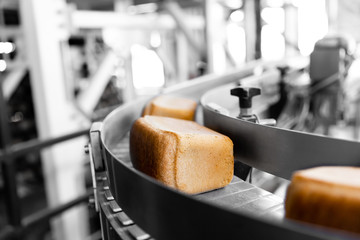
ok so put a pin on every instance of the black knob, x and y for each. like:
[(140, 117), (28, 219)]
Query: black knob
[(245, 95)]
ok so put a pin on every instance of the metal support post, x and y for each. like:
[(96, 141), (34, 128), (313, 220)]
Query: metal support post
[(8, 165), (176, 12), (215, 37), (291, 30), (252, 11), (332, 12), (43, 27)]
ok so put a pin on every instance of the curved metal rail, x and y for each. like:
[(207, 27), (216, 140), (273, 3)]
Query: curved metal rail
[(166, 213), (275, 150)]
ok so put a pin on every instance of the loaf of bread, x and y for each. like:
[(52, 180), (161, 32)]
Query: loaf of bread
[(181, 154), (328, 196), (171, 106)]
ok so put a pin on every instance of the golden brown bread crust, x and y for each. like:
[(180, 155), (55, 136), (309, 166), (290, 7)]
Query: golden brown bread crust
[(328, 196), (147, 146), (181, 154), (171, 106)]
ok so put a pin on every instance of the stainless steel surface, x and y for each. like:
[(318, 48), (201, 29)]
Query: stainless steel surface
[(108, 195), (109, 218), (96, 161), (275, 150), (239, 210), (268, 122), (124, 219), (238, 196), (137, 233), (114, 206)]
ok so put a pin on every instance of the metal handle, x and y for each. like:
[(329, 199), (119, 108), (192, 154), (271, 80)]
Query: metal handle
[(245, 95)]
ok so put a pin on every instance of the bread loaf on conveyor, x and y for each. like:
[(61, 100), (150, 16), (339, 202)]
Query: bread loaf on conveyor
[(181, 154), (328, 196), (171, 106)]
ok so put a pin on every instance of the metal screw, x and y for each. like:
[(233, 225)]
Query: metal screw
[(86, 149)]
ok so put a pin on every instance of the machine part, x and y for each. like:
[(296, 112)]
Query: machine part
[(218, 108), (96, 150), (245, 95), (254, 143), (267, 122), (88, 151), (165, 213), (331, 55), (295, 112), (329, 65), (95, 156), (276, 108)]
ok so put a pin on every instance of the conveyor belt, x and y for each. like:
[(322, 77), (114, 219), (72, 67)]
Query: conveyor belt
[(122, 227), (241, 196), (238, 211), (246, 198), (238, 196), (275, 150)]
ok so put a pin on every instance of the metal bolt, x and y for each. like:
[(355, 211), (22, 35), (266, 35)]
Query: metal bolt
[(86, 149), (91, 202)]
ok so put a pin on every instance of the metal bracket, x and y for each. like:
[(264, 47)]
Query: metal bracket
[(95, 141), (95, 155)]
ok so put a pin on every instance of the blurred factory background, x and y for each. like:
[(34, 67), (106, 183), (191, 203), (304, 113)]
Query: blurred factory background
[(65, 64)]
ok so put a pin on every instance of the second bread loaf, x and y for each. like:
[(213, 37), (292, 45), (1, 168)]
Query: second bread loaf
[(171, 106)]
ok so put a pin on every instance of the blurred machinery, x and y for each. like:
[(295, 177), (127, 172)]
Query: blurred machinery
[(315, 98), (82, 63), (65, 64), (133, 205)]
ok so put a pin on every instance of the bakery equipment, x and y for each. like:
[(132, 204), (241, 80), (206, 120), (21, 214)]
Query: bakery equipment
[(317, 99), (275, 150), (245, 102), (134, 206), (245, 95)]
